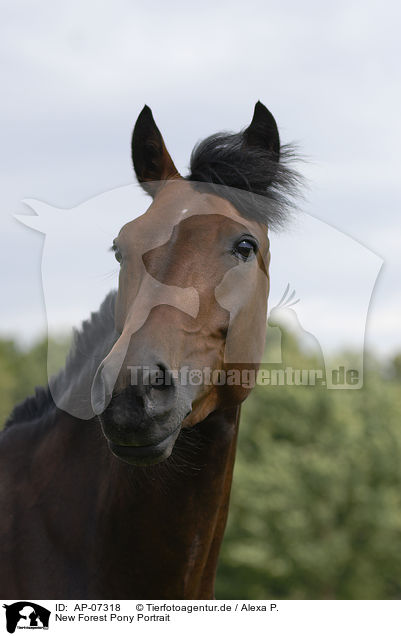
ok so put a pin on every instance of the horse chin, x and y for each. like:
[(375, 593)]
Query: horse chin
[(140, 436), (145, 455)]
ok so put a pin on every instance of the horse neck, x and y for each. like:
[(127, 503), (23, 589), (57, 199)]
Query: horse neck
[(165, 524)]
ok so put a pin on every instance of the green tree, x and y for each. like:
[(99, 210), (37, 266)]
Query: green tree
[(316, 502)]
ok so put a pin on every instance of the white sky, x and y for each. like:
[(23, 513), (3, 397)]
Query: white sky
[(75, 75)]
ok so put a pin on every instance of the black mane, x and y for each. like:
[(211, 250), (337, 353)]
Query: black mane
[(90, 343), (240, 171), (32, 407)]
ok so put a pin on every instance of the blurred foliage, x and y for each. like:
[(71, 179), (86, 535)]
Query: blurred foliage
[(316, 502), (21, 370)]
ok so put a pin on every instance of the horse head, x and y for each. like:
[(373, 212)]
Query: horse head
[(193, 288)]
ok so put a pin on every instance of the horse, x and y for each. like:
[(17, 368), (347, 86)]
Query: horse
[(121, 489)]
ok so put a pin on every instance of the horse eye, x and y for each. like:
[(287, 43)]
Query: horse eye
[(245, 249)]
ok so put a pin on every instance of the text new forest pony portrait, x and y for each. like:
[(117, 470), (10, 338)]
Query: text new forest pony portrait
[(115, 479)]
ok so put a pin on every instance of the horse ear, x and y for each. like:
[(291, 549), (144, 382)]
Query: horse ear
[(150, 157), (262, 131)]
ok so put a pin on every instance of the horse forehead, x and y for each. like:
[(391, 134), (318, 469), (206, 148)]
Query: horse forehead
[(201, 211), (180, 201)]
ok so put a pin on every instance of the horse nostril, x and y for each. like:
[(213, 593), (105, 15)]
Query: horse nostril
[(160, 391), (161, 378)]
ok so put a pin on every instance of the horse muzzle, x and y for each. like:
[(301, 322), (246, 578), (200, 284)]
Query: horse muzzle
[(142, 421)]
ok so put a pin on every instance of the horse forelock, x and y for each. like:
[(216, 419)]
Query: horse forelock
[(240, 171)]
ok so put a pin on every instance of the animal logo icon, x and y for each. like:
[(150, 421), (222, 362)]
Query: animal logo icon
[(284, 328), (25, 614)]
